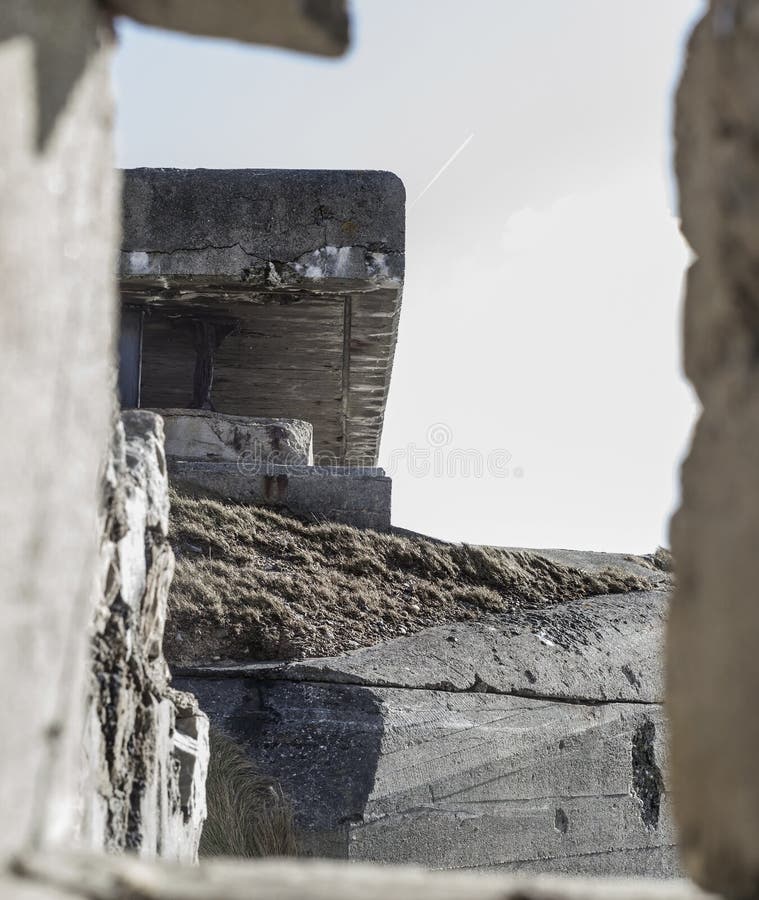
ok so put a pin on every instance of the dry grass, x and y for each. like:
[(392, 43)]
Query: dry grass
[(248, 815), (251, 584)]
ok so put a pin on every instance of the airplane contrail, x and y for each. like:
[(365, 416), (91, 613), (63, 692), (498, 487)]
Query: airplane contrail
[(441, 170)]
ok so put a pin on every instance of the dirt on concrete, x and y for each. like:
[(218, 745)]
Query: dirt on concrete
[(251, 584)]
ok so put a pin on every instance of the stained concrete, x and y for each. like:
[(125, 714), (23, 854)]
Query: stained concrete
[(145, 745), (275, 229)]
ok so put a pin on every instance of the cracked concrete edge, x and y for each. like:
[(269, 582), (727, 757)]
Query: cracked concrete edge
[(263, 227), (314, 26), (299, 672), (91, 877)]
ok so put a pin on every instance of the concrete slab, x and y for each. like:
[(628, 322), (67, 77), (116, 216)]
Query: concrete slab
[(602, 649)]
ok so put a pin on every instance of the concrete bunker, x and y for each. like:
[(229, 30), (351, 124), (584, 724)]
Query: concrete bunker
[(258, 305), (52, 303)]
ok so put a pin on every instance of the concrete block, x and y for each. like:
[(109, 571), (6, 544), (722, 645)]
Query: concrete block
[(353, 496), (195, 434)]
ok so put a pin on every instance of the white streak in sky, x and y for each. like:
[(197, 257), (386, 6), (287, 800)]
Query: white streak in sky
[(441, 170)]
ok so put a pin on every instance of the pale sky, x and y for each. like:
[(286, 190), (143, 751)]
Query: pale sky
[(540, 322)]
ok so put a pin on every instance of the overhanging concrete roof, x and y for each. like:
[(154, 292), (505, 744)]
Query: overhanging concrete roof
[(305, 271)]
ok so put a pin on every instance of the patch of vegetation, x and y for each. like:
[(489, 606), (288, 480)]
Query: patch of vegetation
[(248, 815), (251, 584), (662, 559)]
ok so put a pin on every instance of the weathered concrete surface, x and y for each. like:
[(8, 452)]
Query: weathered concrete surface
[(113, 878), (58, 237), (530, 742), (146, 745), (214, 437), (303, 272), (459, 780), (318, 26), (360, 497), (712, 655)]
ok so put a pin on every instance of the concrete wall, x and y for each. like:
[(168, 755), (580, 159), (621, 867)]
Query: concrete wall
[(713, 659), (59, 235), (194, 434), (58, 238)]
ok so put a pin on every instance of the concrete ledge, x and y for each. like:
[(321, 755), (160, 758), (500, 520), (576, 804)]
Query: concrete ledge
[(353, 496), (111, 877)]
